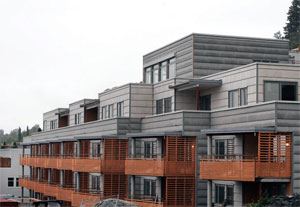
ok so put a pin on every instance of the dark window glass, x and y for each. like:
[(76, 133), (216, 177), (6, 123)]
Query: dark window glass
[(288, 92), (10, 182), (220, 148), (159, 106), (229, 195), (220, 193), (205, 102), (167, 105), (17, 182), (120, 109), (149, 187)]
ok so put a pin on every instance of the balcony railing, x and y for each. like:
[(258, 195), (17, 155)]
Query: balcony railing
[(158, 167), (80, 164), (76, 197), (242, 168), (145, 201)]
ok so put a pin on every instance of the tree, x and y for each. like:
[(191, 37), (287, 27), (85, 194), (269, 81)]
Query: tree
[(20, 136), (278, 35), (292, 28), (27, 131)]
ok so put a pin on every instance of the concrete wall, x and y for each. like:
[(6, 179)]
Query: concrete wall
[(13, 172), (161, 90), (75, 109), (48, 117), (141, 100)]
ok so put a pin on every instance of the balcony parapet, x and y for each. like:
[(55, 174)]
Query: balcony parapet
[(78, 164), (242, 168), (158, 167)]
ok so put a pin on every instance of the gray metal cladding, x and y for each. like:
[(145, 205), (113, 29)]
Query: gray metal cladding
[(288, 119)]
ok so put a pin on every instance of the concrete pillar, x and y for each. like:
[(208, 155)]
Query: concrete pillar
[(132, 145), (49, 175), (62, 148), (101, 182), (158, 189), (238, 194), (77, 180), (209, 193), (209, 145)]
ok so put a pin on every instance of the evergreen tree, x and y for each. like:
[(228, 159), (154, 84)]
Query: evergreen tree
[(20, 137), (27, 131), (292, 28)]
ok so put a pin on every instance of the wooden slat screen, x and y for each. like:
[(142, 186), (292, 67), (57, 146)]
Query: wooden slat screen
[(115, 185), (180, 149), (274, 147), (115, 149), (180, 191), (68, 148), (84, 148)]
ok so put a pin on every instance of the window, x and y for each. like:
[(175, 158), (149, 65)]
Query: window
[(5, 162), (171, 68), (160, 71), (159, 106), (95, 182), (243, 96), (233, 98), (17, 182), (148, 75), (149, 187), (286, 91), (220, 149), (103, 112), (120, 109), (96, 148), (167, 105), (164, 105), (205, 102), (110, 112), (224, 194), (150, 149), (156, 74), (53, 124), (163, 70), (10, 182), (77, 118)]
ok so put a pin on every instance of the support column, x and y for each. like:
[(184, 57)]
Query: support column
[(159, 147), (209, 145), (198, 97), (238, 194), (209, 193), (61, 179)]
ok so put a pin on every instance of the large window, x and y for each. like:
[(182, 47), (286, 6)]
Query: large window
[(96, 150), (110, 112), (159, 106), (160, 71), (224, 194), (53, 124), (205, 102), (10, 182), (171, 69), (77, 118), (156, 78), (148, 75), (120, 109), (286, 91), (95, 182), (163, 70), (149, 187), (238, 97), (150, 148), (103, 112)]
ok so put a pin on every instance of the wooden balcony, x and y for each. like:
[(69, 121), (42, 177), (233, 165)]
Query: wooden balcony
[(242, 169), (66, 194), (158, 167), (79, 164)]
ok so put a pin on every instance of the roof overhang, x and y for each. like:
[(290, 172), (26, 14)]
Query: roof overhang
[(91, 104), (153, 134), (232, 131), (99, 137), (196, 83)]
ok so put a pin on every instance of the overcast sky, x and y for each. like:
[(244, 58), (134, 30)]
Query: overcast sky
[(55, 52)]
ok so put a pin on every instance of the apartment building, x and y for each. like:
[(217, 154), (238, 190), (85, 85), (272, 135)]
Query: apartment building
[(216, 119), (10, 172)]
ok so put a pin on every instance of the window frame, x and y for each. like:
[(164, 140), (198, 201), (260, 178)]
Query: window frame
[(110, 111), (229, 98), (294, 83), (120, 109), (161, 111), (77, 117), (104, 112), (245, 96)]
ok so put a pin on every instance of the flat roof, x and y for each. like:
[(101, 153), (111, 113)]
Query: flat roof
[(153, 134)]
